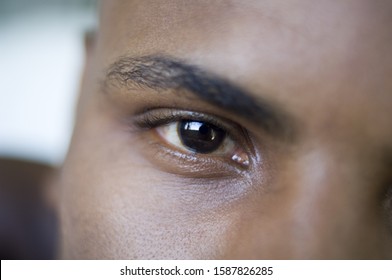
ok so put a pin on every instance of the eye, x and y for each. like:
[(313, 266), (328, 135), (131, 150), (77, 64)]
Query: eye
[(194, 136), (198, 134), (200, 137)]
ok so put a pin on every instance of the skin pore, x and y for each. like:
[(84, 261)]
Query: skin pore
[(300, 96)]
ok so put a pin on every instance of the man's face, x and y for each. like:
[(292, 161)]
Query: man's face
[(233, 129)]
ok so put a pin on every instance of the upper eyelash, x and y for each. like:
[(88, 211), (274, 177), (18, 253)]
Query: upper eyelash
[(157, 117)]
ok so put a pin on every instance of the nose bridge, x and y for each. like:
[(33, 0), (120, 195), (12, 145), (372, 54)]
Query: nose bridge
[(333, 209), (325, 188), (329, 206), (323, 210)]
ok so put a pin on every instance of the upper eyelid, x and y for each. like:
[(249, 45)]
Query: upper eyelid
[(161, 116)]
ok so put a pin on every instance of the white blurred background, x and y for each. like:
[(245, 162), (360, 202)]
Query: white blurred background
[(41, 58)]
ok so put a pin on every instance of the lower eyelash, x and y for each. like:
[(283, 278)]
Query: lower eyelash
[(191, 165)]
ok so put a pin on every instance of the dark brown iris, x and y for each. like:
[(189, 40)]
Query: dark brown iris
[(200, 137)]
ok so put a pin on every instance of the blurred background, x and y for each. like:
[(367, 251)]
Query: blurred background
[(41, 55), (41, 59)]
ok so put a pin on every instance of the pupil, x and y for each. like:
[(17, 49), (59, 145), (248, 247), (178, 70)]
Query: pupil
[(200, 137)]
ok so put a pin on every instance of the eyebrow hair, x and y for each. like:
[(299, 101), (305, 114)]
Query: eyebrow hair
[(164, 72)]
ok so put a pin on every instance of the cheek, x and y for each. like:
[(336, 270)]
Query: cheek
[(115, 204)]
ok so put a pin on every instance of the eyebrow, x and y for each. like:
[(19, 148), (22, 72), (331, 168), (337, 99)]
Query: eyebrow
[(160, 72)]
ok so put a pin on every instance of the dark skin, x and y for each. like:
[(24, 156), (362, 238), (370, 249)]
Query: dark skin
[(302, 91)]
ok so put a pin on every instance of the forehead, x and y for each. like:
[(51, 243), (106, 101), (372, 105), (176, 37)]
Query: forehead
[(330, 59)]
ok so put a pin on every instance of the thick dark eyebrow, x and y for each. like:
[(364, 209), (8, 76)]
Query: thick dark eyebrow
[(164, 72)]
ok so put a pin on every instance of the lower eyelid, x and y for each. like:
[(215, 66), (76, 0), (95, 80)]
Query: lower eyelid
[(191, 165), (187, 164)]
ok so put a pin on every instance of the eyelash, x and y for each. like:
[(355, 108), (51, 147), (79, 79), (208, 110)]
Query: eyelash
[(155, 119)]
